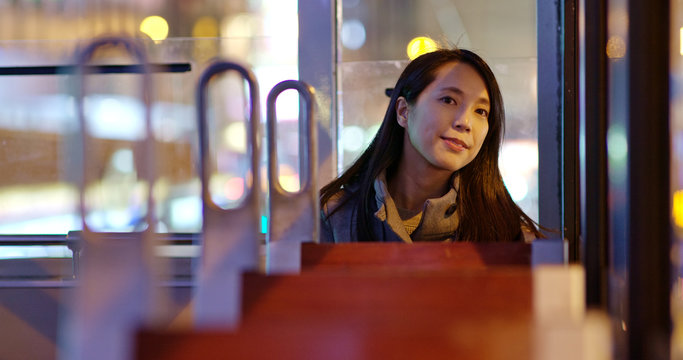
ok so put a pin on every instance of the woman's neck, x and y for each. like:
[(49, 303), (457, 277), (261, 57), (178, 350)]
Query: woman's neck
[(410, 187)]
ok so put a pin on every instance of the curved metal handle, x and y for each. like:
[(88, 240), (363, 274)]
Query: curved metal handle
[(120, 265), (148, 174), (292, 217), (229, 239), (308, 157), (214, 69)]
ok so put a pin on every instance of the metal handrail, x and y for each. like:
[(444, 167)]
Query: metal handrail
[(292, 216), (82, 69), (120, 264), (229, 243), (63, 240)]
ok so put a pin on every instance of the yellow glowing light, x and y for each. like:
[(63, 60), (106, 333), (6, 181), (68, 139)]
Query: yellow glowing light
[(616, 47), (420, 45), (289, 182), (235, 137), (155, 27), (678, 208), (205, 26), (289, 178)]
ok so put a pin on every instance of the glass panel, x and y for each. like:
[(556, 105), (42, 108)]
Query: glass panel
[(38, 137), (375, 38), (363, 103)]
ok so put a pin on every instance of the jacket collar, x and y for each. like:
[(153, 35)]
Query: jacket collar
[(439, 216)]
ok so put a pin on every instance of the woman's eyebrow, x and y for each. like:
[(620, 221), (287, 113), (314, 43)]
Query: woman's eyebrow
[(481, 100)]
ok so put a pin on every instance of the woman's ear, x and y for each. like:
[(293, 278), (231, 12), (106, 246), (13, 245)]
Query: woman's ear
[(402, 111)]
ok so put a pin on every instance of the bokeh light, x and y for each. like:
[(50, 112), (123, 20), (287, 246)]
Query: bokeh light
[(289, 178), (517, 186), (616, 47), (353, 34), (352, 138), (205, 26), (234, 188), (155, 27), (678, 208), (235, 137), (420, 45), (617, 144)]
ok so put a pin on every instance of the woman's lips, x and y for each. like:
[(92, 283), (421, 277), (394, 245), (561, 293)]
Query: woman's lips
[(455, 144)]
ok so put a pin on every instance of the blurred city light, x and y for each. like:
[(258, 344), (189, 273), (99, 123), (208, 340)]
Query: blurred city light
[(353, 34), (678, 208), (289, 178), (517, 186), (617, 145), (420, 45), (235, 137), (185, 213), (115, 117), (155, 27), (616, 47), (123, 161), (352, 138), (370, 133), (234, 188), (518, 164), (205, 26), (241, 25)]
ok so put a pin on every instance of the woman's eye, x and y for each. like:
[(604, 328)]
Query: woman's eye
[(483, 112), (447, 100)]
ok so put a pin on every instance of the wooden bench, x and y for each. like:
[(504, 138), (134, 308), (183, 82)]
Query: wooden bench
[(468, 313), (416, 257)]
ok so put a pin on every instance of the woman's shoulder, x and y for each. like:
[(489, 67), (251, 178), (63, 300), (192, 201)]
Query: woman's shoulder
[(339, 199), (527, 235), (334, 202), (337, 218)]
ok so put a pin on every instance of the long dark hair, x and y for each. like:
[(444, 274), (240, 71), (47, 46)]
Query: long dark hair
[(486, 210)]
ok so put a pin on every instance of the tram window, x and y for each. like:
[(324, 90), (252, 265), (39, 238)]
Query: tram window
[(38, 195), (377, 38), (37, 115)]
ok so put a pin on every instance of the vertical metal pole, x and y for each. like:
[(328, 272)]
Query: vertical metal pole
[(593, 159), (650, 233), (571, 217), (549, 114), (318, 59)]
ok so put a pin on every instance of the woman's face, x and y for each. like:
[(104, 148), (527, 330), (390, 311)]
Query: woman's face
[(448, 123)]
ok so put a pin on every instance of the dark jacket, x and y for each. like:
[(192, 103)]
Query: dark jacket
[(439, 218)]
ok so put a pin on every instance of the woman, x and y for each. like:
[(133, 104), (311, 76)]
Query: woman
[(431, 172)]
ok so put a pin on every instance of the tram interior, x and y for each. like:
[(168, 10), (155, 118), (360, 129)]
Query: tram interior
[(103, 155)]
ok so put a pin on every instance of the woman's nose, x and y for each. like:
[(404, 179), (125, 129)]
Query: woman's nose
[(462, 122)]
